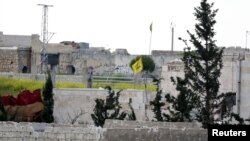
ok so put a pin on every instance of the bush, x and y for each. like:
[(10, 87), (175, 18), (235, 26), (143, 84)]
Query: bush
[(110, 109)]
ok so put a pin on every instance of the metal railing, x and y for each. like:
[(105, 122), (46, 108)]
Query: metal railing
[(129, 80)]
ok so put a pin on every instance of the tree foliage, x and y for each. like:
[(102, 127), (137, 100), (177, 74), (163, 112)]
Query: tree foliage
[(109, 109), (157, 102), (47, 114), (3, 113), (132, 115), (199, 97), (179, 108), (147, 61)]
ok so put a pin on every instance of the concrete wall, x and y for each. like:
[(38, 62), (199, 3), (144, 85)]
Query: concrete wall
[(243, 95), (71, 102), (12, 131)]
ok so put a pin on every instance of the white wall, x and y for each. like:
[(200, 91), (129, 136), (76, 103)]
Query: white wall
[(70, 102)]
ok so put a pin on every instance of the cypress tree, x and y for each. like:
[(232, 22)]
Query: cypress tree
[(47, 115), (205, 64), (199, 97), (202, 68)]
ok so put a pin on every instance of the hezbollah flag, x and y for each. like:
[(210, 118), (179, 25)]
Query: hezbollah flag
[(137, 66)]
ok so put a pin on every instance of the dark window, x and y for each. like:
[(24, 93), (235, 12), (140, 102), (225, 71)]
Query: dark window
[(25, 69), (71, 69), (53, 59)]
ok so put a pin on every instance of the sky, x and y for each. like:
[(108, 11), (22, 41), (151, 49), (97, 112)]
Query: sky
[(114, 24)]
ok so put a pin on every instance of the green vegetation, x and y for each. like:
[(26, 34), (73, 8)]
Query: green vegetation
[(157, 103), (199, 98), (147, 61), (110, 108), (199, 89), (12, 86), (47, 114), (69, 85)]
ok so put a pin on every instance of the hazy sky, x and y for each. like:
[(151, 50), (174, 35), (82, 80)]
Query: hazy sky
[(124, 23)]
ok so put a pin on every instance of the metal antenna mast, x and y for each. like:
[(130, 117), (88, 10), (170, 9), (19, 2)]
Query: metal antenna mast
[(44, 35)]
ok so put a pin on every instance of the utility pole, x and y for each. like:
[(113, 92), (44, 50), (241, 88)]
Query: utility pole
[(44, 35), (172, 36), (247, 32)]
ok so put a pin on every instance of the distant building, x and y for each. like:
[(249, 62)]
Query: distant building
[(15, 53), (121, 51), (84, 45)]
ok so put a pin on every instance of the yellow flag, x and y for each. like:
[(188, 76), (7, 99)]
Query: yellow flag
[(137, 66)]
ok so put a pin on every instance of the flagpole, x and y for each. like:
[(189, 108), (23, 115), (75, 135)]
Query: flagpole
[(150, 40), (150, 43), (145, 74)]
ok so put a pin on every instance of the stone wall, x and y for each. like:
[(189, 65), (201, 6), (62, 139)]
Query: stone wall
[(155, 134), (24, 60), (9, 59), (79, 60), (12, 131), (103, 62), (122, 124), (13, 59), (15, 53)]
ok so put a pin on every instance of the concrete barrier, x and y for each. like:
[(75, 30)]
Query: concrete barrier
[(12, 131), (148, 124)]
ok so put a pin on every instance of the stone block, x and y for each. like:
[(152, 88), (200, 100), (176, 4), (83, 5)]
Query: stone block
[(69, 136)]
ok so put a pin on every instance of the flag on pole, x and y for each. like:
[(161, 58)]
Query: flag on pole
[(151, 27), (137, 66)]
